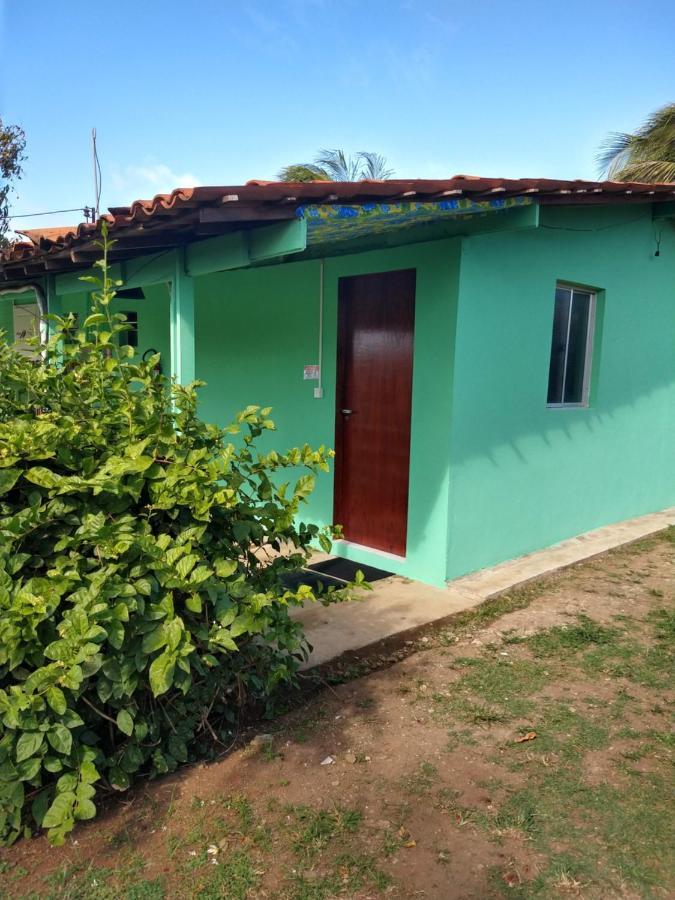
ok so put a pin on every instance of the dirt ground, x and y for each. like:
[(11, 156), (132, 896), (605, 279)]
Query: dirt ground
[(523, 750)]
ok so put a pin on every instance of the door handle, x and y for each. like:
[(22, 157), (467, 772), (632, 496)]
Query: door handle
[(346, 412)]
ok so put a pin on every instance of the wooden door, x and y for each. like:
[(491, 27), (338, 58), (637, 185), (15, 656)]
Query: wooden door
[(376, 315)]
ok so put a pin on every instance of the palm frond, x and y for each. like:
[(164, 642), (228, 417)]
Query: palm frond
[(651, 171), (303, 172), (336, 165), (374, 166), (646, 155), (614, 153), (339, 166)]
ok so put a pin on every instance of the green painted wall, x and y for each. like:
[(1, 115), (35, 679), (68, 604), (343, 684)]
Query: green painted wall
[(7, 316), (257, 328), (153, 317), (524, 476), (153, 321)]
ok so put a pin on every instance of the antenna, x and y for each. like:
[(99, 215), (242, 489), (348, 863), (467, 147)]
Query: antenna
[(97, 176)]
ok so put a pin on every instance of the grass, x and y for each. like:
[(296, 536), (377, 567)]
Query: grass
[(564, 639), (604, 836), (320, 827), (663, 623), (320, 838), (421, 781), (349, 874), (558, 808), (146, 890), (234, 878), (492, 690)]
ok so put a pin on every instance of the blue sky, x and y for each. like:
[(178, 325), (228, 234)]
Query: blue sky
[(218, 92)]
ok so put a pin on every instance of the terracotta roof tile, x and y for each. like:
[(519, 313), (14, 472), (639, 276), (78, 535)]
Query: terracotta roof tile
[(168, 220), (35, 235)]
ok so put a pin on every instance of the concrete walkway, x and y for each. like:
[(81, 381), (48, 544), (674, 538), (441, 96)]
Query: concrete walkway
[(397, 605)]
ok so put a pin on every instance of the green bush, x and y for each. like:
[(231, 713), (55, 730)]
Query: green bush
[(142, 564)]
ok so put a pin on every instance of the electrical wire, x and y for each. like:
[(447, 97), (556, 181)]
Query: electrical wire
[(148, 261), (599, 228), (50, 212)]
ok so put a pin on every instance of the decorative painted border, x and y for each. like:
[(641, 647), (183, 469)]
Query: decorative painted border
[(341, 221)]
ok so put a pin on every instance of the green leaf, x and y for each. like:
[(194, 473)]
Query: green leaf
[(124, 722), (242, 624), (8, 478), (67, 782), (174, 632), (305, 485), (39, 807), (132, 758), (161, 673), (186, 564), (194, 603), (93, 319), (115, 631), (223, 639), (56, 699), (85, 791), (28, 768), (178, 748), (42, 477), (61, 810), (88, 773), (119, 779), (28, 744), (200, 574), (60, 738), (155, 639), (84, 809)]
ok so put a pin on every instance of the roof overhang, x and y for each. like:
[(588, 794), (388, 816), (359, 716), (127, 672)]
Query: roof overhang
[(265, 220)]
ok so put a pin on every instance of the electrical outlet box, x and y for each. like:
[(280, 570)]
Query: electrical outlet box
[(318, 393)]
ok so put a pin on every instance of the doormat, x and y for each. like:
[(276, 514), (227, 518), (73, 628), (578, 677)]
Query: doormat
[(346, 569), (331, 573), (315, 580)]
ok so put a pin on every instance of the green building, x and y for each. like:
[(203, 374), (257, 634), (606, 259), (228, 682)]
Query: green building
[(493, 360)]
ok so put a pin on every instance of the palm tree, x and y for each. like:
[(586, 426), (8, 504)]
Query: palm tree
[(647, 155), (335, 165)]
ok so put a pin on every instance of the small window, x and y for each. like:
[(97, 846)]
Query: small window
[(129, 338), (571, 347)]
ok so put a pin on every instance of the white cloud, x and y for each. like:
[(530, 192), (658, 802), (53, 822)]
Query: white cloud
[(134, 182)]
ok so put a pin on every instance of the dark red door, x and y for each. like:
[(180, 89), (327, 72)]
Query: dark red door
[(376, 315)]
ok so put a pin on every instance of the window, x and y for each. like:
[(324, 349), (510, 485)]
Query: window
[(571, 347), (129, 338)]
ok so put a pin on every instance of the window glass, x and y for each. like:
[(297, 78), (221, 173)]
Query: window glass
[(561, 317), (130, 336), (570, 356), (576, 348)]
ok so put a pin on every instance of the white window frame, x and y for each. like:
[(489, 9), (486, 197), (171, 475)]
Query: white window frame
[(588, 358)]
